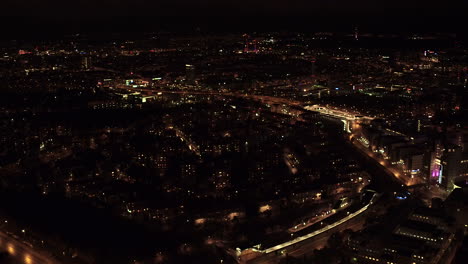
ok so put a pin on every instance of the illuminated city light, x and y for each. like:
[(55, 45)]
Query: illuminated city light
[(209, 140), (28, 259), (11, 249)]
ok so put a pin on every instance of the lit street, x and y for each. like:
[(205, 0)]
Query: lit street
[(23, 253)]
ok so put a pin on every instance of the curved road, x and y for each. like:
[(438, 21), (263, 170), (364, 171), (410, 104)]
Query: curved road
[(23, 253)]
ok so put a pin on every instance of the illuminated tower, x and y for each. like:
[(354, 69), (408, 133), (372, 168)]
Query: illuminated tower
[(356, 33), (246, 43), (250, 45), (312, 61)]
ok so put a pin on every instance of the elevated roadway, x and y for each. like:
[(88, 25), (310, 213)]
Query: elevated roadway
[(23, 253)]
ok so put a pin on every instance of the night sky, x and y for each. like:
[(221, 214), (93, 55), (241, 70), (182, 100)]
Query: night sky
[(92, 8), (50, 15)]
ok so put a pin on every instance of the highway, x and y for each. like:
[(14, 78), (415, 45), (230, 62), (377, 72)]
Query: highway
[(22, 253), (307, 247), (386, 166), (318, 232), (308, 242)]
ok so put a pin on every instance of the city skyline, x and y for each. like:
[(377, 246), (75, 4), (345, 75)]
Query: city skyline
[(326, 132)]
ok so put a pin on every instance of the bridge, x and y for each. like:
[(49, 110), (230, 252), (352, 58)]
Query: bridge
[(348, 118), (244, 256)]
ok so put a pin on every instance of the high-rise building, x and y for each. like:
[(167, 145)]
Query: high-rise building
[(190, 73), (414, 164), (464, 165), (86, 63), (450, 166), (435, 162)]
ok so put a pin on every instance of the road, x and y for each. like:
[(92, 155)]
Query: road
[(318, 232), (387, 169), (308, 246), (309, 241), (386, 166), (23, 253)]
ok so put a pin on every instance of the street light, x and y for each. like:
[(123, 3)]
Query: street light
[(27, 259)]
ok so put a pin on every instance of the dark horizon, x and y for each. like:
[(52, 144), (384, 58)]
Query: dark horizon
[(25, 27), (27, 18)]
